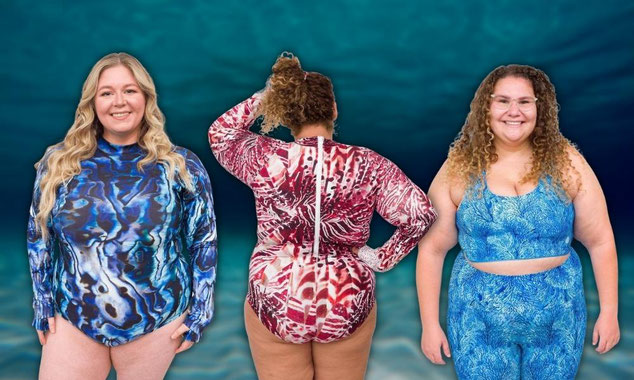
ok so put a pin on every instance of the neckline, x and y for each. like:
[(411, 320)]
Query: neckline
[(312, 141), (486, 188), (111, 148)]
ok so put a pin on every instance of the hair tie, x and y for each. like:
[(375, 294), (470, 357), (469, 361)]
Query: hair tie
[(305, 75)]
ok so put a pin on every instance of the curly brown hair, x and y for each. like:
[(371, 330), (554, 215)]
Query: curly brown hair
[(473, 151), (294, 97)]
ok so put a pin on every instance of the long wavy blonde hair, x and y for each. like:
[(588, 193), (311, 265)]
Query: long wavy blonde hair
[(473, 150), (62, 161)]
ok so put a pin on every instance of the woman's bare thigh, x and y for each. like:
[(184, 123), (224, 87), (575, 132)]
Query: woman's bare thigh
[(273, 358), (346, 358), (148, 357), (69, 354)]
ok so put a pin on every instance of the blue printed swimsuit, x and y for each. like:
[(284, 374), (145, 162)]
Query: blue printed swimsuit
[(515, 327), (120, 270)]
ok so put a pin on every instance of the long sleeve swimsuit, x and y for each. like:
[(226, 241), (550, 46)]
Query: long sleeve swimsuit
[(314, 200), (120, 270)]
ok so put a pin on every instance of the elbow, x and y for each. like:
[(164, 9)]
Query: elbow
[(213, 130)]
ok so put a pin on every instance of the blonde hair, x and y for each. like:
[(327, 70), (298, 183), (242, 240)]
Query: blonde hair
[(295, 97), (473, 151), (62, 161)]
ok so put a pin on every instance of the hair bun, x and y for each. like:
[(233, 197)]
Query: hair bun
[(287, 64)]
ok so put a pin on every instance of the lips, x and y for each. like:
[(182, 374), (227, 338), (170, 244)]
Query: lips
[(120, 115)]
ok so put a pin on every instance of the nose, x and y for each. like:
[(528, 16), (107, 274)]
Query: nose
[(119, 99), (514, 108)]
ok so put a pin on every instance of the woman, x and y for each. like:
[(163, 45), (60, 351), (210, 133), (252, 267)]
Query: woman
[(310, 304), (115, 196), (512, 192)]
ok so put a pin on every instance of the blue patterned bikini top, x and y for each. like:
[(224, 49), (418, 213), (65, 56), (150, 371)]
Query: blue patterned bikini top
[(495, 227)]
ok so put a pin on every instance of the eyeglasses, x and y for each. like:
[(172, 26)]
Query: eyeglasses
[(503, 103)]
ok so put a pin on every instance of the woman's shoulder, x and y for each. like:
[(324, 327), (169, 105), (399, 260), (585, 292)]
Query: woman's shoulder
[(575, 171), (369, 155), (192, 161), (451, 185), (576, 158)]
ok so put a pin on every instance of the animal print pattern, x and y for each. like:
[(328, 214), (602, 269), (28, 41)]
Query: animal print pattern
[(298, 294)]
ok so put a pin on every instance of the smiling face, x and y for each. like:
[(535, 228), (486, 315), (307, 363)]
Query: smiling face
[(513, 126), (120, 105)]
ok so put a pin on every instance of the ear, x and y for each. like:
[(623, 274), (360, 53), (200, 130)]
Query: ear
[(334, 111)]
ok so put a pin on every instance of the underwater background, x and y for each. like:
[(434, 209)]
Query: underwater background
[(404, 74)]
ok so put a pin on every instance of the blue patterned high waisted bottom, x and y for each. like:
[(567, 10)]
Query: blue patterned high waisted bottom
[(516, 327)]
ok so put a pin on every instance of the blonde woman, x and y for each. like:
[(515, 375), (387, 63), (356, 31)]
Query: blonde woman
[(514, 192), (115, 197)]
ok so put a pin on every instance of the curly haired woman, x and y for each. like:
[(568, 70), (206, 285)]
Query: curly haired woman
[(115, 197), (514, 192), (310, 310)]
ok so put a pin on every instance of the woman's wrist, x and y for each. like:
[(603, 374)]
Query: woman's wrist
[(609, 310), (369, 256)]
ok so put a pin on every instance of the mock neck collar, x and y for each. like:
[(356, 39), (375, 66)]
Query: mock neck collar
[(114, 149)]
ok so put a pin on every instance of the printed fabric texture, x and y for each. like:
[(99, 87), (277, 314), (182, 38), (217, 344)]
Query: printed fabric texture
[(516, 327), (526, 327), (494, 228), (301, 294), (120, 270)]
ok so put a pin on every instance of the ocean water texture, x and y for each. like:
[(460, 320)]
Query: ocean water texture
[(404, 73)]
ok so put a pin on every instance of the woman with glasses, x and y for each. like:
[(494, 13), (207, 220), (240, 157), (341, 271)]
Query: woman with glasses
[(310, 310), (513, 193), (116, 197)]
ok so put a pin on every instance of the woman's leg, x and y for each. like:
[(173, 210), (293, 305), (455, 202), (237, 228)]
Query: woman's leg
[(480, 325), (556, 351), (148, 357), (69, 354), (273, 358), (346, 358)]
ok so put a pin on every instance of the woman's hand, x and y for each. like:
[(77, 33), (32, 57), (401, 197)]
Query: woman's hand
[(606, 332), (433, 340), (178, 334), (41, 335)]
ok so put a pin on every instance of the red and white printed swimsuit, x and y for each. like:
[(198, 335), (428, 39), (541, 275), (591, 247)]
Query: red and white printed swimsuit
[(305, 282)]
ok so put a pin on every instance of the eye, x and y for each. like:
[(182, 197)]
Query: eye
[(105, 93), (131, 91), (525, 102), (502, 100)]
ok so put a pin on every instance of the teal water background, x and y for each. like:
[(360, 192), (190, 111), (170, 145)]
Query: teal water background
[(404, 73)]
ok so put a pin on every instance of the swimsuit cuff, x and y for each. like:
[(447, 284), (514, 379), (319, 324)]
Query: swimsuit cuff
[(196, 327), (370, 256), (42, 311)]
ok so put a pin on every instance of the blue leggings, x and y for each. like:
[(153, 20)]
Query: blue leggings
[(516, 327)]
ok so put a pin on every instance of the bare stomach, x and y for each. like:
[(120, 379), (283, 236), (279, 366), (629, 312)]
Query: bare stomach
[(520, 267)]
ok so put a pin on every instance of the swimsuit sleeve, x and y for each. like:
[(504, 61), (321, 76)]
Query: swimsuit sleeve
[(40, 261), (404, 205), (200, 236), (238, 150)]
